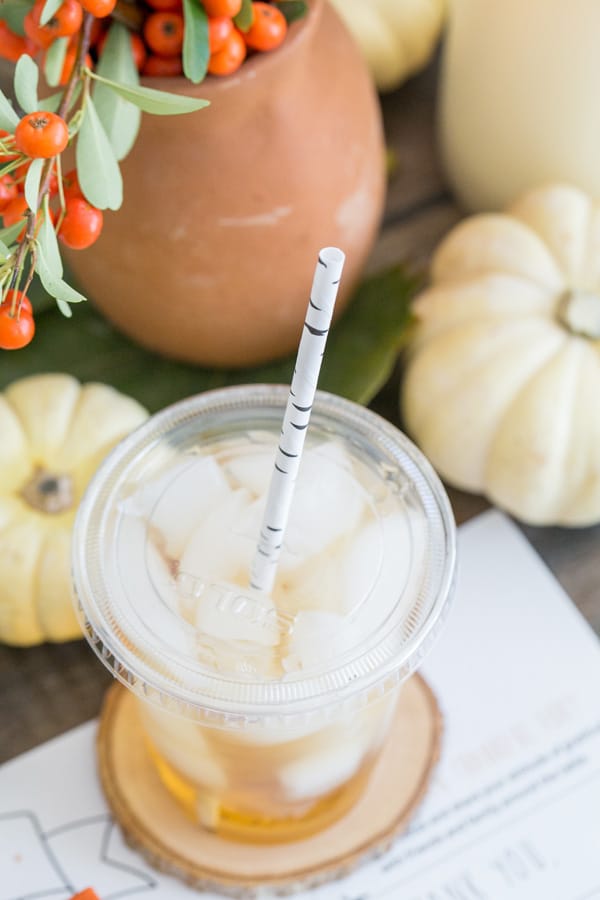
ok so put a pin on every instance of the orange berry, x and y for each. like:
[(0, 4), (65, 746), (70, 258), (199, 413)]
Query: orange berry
[(23, 301), (81, 225), (219, 29), (268, 28), (33, 30), (65, 22), (163, 32), (165, 5), (41, 135), (97, 30), (12, 45), (8, 190), (53, 185), (20, 174), (163, 66), (230, 58), (71, 184), (99, 8), (15, 331), (138, 49), (222, 7), (14, 211)]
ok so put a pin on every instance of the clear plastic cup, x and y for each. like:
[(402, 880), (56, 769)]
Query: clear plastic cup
[(263, 715)]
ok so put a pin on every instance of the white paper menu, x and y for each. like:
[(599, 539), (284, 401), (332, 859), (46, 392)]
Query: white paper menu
[(514, 808)]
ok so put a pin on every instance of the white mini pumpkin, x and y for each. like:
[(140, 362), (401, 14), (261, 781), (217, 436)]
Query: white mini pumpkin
[(397, 37), (53, 434), (502, 390)]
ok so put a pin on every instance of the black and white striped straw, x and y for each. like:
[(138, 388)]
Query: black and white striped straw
[(297, 415)]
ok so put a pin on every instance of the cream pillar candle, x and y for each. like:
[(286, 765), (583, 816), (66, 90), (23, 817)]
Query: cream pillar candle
[(519, 100)]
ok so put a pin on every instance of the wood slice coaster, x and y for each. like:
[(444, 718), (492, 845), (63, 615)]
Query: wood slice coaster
[(154, 824)]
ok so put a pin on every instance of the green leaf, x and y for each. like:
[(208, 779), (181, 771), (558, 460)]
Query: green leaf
[(8, 117), (161, 103), (9, 235), (64, 308), (32, 183), (49, 244), (245, 17), (13, 13), (55, 60), (293, 9), (196, 52), (49, 9), (97, 167), (120, 118), (55, 286), (369, 336), (52, 101), (4, 251), (361, 351), (26, 82), (40, 299)]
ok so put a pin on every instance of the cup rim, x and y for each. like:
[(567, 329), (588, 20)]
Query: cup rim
[(380, 668)]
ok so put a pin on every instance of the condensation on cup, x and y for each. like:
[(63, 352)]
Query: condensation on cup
[(263, 714)]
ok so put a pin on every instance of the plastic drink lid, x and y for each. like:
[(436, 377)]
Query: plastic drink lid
[(165, 535)]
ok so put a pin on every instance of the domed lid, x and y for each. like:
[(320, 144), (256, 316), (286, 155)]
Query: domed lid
[(166, 533)]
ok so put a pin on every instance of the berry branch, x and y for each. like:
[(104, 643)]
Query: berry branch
[(106, 43), (27, 243), (85, 39)]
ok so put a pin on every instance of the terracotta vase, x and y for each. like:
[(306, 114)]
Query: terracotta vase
[(211, 256)]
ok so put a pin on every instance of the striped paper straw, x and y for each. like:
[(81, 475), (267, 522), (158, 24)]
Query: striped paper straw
[(297, 415)]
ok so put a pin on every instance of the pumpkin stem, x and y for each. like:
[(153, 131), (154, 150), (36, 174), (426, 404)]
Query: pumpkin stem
[(48, 493), (579, 312)]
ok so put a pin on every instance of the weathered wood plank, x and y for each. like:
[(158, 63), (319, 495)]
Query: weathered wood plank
[(574, 557), (411, 240), (46, 690), (416, 174)]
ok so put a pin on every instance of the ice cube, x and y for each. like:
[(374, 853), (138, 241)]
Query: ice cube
[(364, 563), (160, 573), (401, 538), (252, 469), (327, 504), (215, 550), (249, 521), (183, 745), (179, 499), (332, 452), (336, 752), (315, 584), (317, 638), (147, 583), (238, 629), (334, 760)]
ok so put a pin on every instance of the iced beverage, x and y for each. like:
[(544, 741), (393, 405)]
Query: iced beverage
[(263, 714)]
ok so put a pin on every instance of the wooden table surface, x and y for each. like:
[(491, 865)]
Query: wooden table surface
[(46, 690)]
